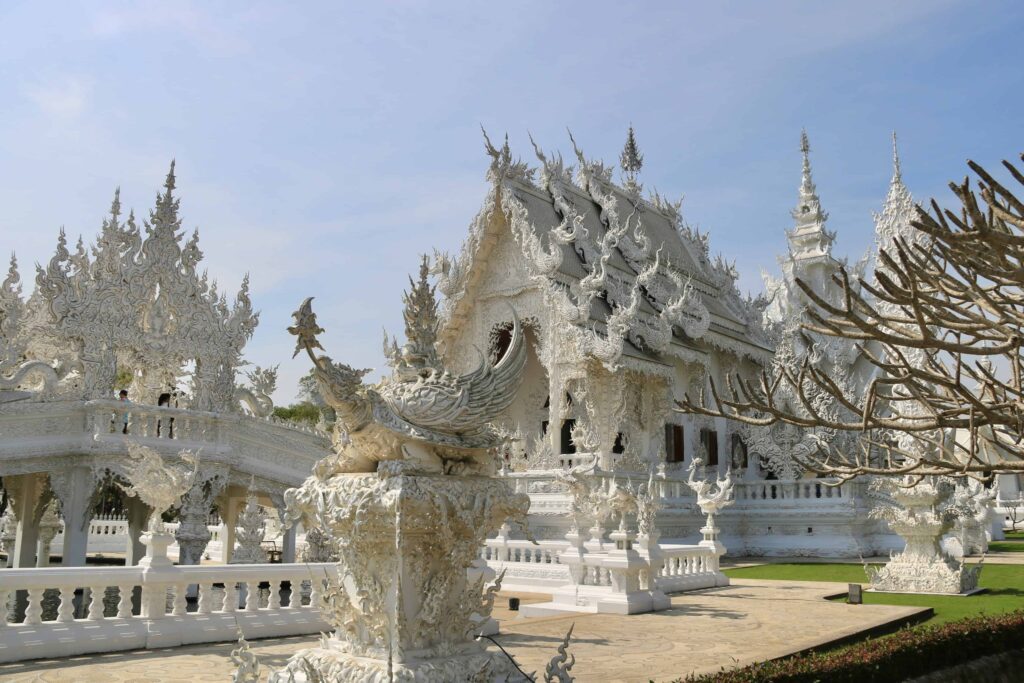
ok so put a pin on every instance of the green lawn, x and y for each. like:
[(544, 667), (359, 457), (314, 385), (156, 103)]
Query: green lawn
[(1005, 584)]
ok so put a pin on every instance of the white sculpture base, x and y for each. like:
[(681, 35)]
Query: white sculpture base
[(332, 663), (937, 576), (411, 599)]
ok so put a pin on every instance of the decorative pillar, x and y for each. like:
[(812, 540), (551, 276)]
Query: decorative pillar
[(74, 488), (49, 525), (556, 398), (288, 545), (138, 516), (26, 492), (230, 517)]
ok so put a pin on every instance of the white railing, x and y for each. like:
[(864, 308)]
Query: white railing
[(110, 535), (686, 567), (526, 564), (505, 550), (94, 607), (808, 490)]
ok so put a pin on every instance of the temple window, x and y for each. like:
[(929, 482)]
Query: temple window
[(567, 445), (675, 445), (709, 441), (739, 453), (619, 448)]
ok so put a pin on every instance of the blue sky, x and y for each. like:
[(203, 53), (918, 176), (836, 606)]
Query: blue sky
[(322, 146)]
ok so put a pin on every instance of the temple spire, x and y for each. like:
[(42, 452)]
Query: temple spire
[(898, 210), (809, 238), (631, 161), (897, 175)]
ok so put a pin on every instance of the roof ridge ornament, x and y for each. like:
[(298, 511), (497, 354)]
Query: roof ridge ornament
[(630, 162), (502, 164)]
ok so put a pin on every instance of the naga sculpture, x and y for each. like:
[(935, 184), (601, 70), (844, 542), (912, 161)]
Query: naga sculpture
[(422, 419)]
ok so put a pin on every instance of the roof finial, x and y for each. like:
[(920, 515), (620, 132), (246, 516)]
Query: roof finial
[(896, 173), (809, 235), (806, 183), (115, 206), (169, 183), (631, 161)]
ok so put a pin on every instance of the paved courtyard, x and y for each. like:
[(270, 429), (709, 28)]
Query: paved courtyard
[(704, 631)]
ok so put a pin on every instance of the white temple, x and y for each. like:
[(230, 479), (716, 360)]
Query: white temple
[(134, 305), (626, 311), (599, 309)]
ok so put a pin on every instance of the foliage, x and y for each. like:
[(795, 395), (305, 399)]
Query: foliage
[(123, 379), (906, 654), (1004, 586), (305, 412)]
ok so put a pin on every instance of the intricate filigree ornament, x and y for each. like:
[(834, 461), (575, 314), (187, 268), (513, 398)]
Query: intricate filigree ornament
[(252, 524), (921, 512), (157, 484)]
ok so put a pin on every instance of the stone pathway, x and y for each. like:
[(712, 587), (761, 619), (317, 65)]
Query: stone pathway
[(749, 621)]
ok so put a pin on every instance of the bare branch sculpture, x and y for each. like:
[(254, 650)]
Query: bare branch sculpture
[(941, 324)]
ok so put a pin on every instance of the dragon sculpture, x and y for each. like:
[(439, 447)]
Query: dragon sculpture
[(422, 419)]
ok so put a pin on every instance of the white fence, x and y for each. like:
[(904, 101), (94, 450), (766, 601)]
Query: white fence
[(109, 535), (94, 607), (542, 567), (527, 566)]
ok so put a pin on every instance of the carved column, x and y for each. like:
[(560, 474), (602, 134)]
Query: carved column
[(229, 515), (28, 498), (74, 488), (49, 525), (556, 399), (138, 516), (287, 532)]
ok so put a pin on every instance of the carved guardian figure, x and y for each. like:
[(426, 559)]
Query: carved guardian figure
[(422, 419)]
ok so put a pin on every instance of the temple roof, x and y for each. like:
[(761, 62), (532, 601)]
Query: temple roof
[(601, 242)]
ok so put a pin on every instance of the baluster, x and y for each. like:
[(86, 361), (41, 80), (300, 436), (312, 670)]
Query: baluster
[(179, 605), (274, 598), (205, 598), (252, 596), (34, 611), (230, 603), (66, 611), (96, 602), (124, 602), (315, 589)]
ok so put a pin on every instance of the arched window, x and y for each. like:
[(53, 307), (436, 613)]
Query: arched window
[(567, 445)]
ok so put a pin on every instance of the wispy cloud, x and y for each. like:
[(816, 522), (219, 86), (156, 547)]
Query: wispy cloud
[(64, 98)]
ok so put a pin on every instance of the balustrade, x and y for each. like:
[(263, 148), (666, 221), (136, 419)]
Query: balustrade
[(118, 628)]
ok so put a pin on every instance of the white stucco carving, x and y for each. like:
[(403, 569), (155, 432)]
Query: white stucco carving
[(921, 512), (158, 484), (407, 503)]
